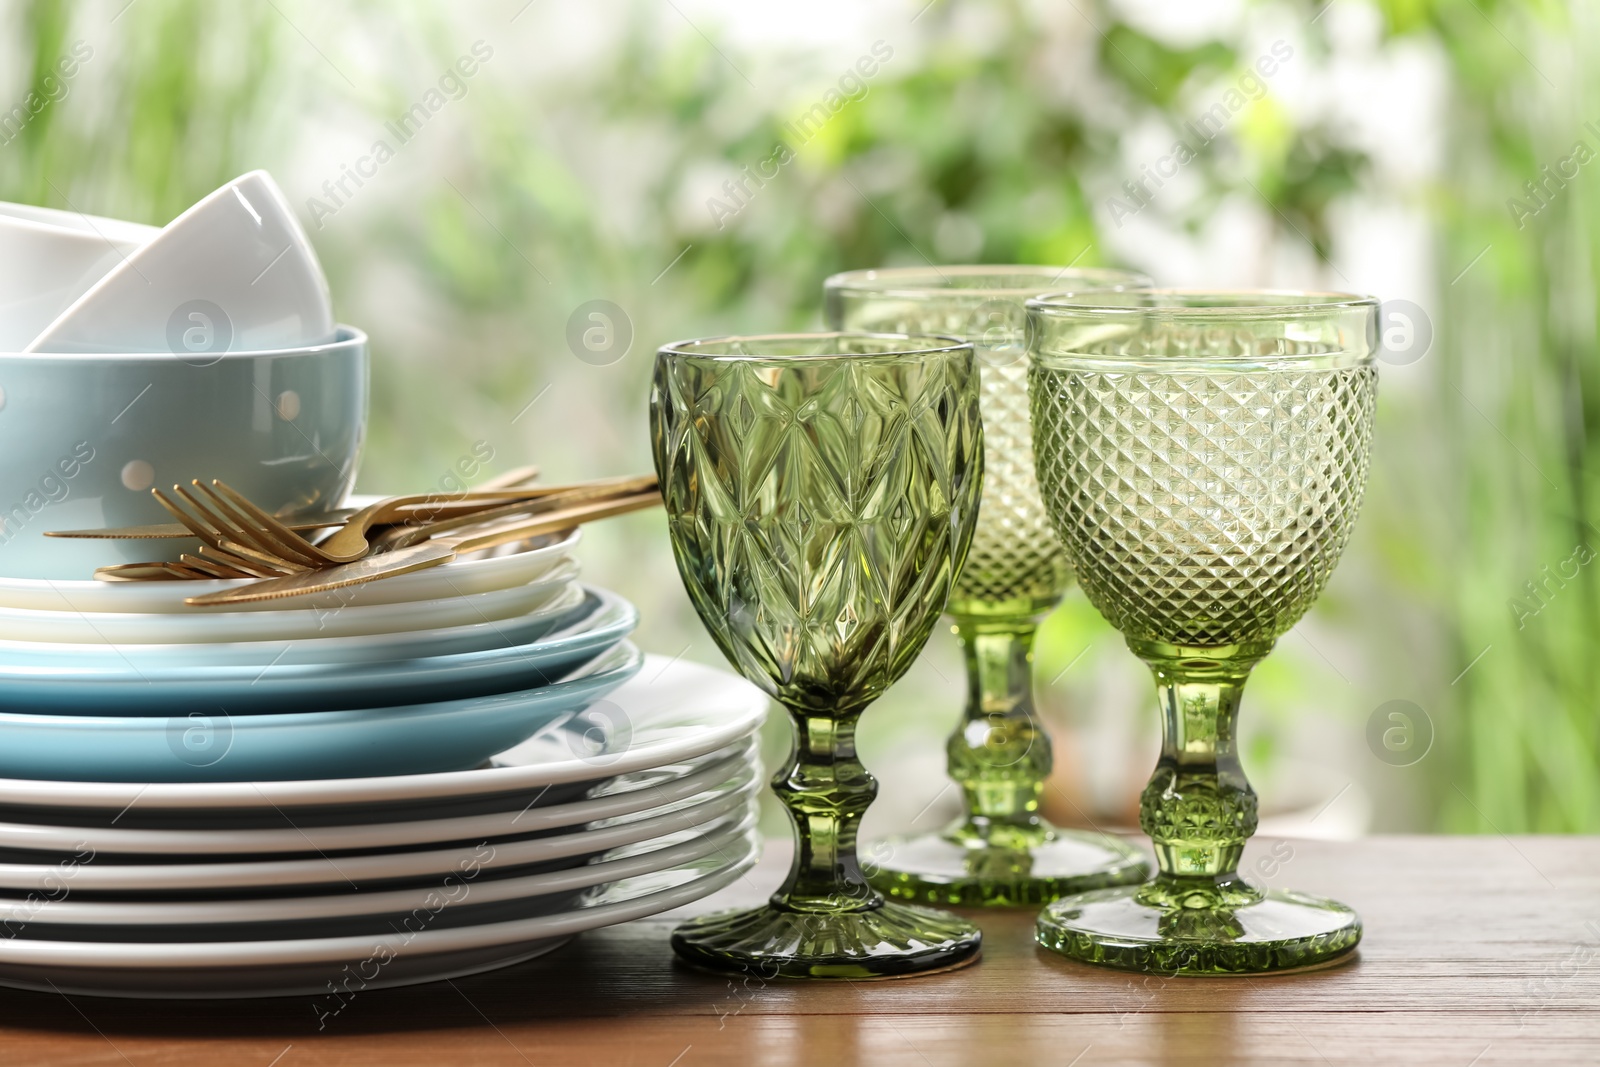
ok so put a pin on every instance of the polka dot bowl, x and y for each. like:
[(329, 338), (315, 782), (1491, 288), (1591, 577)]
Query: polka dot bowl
[(85, 437)]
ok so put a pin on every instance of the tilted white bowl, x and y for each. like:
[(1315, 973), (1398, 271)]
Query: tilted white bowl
[(233, 273), (50, 258)]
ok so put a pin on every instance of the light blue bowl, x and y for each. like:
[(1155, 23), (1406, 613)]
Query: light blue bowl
[(415, 739), (83, 438), (116, 686)]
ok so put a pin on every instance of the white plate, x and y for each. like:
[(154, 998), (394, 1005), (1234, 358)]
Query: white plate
[(80, 874), (192, 916), (229, 969), (481, 572), (202, 626), (708, 787), (671, 711), (361, 648)]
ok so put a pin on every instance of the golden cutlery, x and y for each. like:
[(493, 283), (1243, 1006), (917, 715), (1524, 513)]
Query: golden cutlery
[(404, 536), (429, 553), (350, 542), (161, 531)]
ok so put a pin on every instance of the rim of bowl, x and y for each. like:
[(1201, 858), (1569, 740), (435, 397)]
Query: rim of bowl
[(345, 336), (897, 282), (1245, 303), (132, 260), (38, 219), (947, 344)]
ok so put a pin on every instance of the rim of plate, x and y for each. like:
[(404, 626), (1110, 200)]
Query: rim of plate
[(727, 707), (57, 655), (612, 614), (426, 834), (309, 951), (331, 904), (622, 658), (428, 859), (61, 588), (292, 623)]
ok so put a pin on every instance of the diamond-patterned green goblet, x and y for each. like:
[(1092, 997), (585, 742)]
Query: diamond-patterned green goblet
[(1203, 457), (1001, 850), (821, 491)]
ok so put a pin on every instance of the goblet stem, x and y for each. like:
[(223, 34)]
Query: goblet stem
[(1197, 916), (1198, 808), (826, 921), (826, 790), (1001, 851), (999, 754)]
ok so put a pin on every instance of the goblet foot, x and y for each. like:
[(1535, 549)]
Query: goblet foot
[(886, 941), (1166, 927), (976, 865)]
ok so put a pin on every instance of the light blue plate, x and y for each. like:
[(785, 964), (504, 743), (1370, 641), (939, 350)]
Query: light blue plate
[(122, 687), (415, 739)]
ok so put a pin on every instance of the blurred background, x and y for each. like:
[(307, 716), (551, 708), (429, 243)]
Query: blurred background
[(699, 166)]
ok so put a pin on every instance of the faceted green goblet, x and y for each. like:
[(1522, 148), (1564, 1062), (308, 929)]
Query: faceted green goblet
[(1001, 850), (1202, 456), (821, 491)]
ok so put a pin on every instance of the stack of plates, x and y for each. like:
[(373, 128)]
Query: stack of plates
[(431, 775), (432, 671), (330, 887)]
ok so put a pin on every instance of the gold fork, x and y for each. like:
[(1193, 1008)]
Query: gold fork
[(416, 507), (238, 539), (431, 553), (350, 542), (212, 560)]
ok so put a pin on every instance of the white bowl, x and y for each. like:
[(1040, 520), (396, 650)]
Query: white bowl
[(233, 273), (50, 258)]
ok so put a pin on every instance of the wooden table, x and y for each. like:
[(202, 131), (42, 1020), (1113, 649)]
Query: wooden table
[(1478, 951)]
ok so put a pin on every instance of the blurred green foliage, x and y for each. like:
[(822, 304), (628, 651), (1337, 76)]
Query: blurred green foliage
[(529, 196)]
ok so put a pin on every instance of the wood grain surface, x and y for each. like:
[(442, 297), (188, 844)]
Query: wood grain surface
[(1479, 951)]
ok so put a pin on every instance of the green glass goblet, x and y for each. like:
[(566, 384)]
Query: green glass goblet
[(1000, 851), (1203, 457), (821, 491)]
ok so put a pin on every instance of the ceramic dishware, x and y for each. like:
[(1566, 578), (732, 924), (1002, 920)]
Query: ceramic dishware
[(291, 624), (561, 830), (671, 711), (69, 660), (307, 966), (49, 258), (692, 789), (233, 273), (85, 437), (480, 572), (374, 908), (178, 688), (218, 747)]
